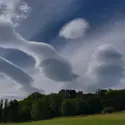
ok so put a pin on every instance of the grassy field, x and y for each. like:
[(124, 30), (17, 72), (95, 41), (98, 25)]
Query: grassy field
[(108, 119)]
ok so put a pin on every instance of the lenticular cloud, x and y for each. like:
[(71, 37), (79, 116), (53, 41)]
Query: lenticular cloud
[(41, 52), (17, 75), (14, 72), (61, 70), (106, 68)]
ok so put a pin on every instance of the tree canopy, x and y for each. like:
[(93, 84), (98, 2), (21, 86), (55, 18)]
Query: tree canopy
[(39, 106)]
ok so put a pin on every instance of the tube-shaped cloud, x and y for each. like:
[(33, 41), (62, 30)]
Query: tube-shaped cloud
[(39, 51), (17, 75)]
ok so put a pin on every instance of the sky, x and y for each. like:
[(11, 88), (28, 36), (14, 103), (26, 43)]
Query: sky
[(49, 45)]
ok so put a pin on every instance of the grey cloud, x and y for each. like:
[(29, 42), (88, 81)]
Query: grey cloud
[(14, 72), (39, 51), (107, 52), (11, 97), (109, 70), (31, 89), (58, 70), (17, 75), (17, 57), (106, 68)]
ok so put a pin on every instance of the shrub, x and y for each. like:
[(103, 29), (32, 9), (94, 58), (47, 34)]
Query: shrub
[(108, 110)]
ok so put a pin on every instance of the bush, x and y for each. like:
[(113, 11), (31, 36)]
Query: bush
[(108, 110)]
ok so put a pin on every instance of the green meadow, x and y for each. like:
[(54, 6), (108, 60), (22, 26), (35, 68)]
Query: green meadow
[(107, 119)]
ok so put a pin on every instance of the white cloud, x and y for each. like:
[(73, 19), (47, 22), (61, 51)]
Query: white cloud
[(106, 67), (78, 54), (43, 17), (41, 81), (39, 51), (16, 10), (80, 51), (74, 29)]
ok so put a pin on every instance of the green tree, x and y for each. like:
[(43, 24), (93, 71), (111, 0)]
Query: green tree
[(64, 93), (93, 102), (26, 106), (35, 111), (41, 109), (5, 110), (13, 111), (1, 110), (108, 110), (68, 107), (55, 104), (82, 107)]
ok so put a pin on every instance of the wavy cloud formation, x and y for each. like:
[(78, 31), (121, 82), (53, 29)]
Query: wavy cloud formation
[(39, 51), (104, 70)]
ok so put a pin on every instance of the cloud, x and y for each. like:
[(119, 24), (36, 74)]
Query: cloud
[(14, 72), (79, 52), (106, 68), (39, 51), (41, 81), (16, 10), (107, 53), (31, 89), (74, 29), (17, 75), (11, 97), (58, 70), (43, 17), (14, 56)]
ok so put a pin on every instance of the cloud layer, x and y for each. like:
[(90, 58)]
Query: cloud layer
[(39, 51), (103, 69)]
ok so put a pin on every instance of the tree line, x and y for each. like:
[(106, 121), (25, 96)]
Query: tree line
[(64, 103)]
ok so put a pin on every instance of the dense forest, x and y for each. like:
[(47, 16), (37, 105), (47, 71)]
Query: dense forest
[(65, 103)]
